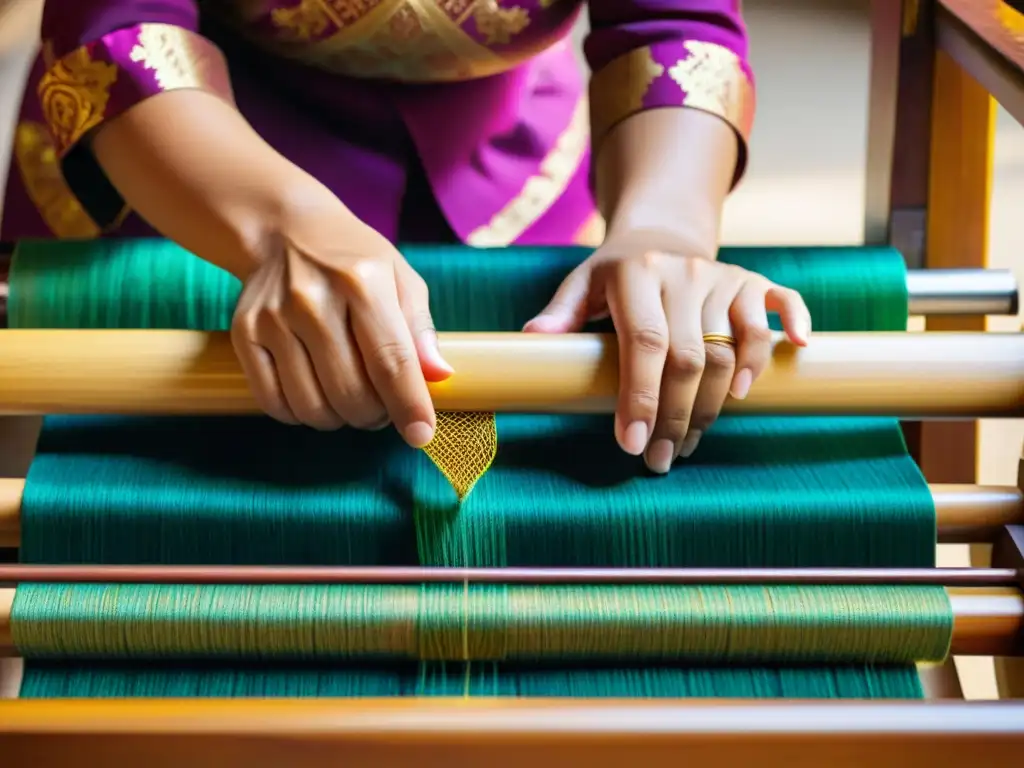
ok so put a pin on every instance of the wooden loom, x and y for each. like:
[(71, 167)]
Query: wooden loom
[(949, 53)]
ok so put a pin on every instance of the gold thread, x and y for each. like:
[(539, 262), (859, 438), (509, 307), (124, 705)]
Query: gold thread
[(463, 448), (541, 190)]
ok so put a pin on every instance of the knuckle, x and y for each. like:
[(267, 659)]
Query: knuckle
[(757, 334), (394, 359), (642, 401), (359, 276), (674, 425), (649, 339), (367, 416), (702, 420), (686, 360), (719, 357)]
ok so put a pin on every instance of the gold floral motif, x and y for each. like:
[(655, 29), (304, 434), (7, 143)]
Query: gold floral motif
[(498, 25), (540, 191), (36, 158), (301, 23), (74, 94), (453, 39), (617, 90), (712, 79)]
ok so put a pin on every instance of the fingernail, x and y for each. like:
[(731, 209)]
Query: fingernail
[(418, 434), (635, 438), (542, 324), (660, 455), (690, 443), (741, 386), (435, 352)]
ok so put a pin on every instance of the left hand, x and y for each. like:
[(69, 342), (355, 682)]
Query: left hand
[(672, 383)]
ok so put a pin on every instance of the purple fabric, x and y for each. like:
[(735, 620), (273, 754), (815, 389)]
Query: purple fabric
[(506, 156)]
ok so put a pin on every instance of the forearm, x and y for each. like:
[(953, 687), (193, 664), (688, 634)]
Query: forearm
[(191, 165), (665, 173)]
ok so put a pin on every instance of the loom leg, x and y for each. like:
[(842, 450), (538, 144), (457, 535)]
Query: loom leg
[(959, 191)]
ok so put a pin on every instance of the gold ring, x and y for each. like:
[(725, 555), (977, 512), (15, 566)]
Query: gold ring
[(719, 338)]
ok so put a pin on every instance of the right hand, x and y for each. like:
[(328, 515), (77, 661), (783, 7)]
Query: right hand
[(333, 329)]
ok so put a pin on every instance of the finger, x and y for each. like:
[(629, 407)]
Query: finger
[(684, 370), (257, 364), (634, 300), (749, 318), (790, 306), (299, 382), (569, 308), (391, 359), (325, 333), (719, 370), (415, 301)]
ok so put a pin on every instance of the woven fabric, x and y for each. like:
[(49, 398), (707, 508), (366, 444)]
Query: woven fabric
[(769, 492)]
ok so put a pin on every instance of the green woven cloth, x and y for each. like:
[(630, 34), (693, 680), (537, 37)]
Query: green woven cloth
[(760, 492)]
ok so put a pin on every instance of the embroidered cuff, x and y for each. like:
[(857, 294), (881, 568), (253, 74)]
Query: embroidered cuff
[(686, 73)]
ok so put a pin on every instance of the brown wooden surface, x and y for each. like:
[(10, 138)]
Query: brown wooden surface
[(374, 733), (959, 191), (995, 23)]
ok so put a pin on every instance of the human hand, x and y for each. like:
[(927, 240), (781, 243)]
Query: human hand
[(673, 379), (333, 329)]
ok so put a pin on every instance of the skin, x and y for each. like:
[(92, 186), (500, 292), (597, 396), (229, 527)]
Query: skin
[(333, 327)]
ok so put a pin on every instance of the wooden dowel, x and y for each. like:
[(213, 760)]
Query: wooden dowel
[(913, 375), (967, 514), (314, 574), (987, 621), (510, 733)]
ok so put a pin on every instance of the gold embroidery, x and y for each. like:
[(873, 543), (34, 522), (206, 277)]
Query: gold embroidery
[(541, 191), (165, 51), (712, 79), (497, 24), (74, 94), (617, 90), (301, 23), (39, 166), (406, 40)]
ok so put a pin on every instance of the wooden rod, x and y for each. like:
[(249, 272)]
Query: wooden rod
[(913, 375), (509, 733), (987, 621), (967, 514), (315, 574)]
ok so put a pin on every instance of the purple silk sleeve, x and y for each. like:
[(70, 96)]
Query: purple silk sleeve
[(649, 54), (102, 57)]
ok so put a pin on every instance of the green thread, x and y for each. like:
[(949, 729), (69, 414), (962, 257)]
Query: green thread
[(766, 492), (484, 623)]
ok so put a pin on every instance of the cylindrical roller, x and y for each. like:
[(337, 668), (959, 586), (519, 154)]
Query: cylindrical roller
[(930, 292), (910, 375), (987, 621), (935, 292), (966, 514)]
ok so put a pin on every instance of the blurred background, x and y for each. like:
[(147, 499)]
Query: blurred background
[(805, 184)]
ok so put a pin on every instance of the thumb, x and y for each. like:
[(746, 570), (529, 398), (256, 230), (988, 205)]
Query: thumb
[(568, 309), (415, 302)]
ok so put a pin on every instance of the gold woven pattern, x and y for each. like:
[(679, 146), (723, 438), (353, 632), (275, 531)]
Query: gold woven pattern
[(463, 448)]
